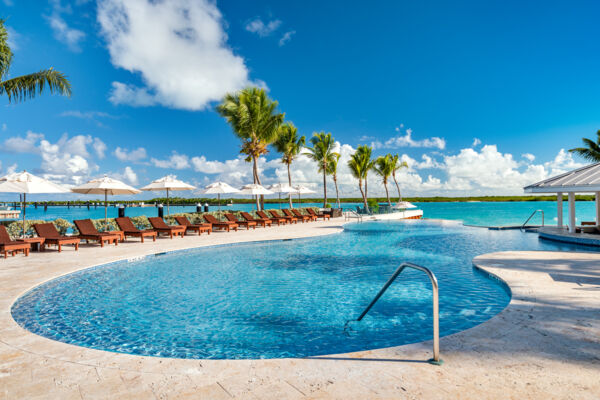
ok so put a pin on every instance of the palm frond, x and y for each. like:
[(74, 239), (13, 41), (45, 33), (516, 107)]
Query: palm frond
[(28, 86), (5, 51)]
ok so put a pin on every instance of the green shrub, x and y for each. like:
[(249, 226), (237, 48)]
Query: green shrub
[(373, 205)]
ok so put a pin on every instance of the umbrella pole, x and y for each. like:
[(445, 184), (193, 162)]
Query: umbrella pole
[(219, 201), (24, 205), (280, 200), (168, 212), (105, 210)]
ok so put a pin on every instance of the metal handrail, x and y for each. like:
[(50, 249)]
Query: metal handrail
[(531, 216), (436, 313), (354, 215)]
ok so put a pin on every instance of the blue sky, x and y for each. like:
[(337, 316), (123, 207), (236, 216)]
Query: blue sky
[(478, 97)]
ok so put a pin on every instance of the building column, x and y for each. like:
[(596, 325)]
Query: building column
[(559, 210), (598, 209), (572, 212)]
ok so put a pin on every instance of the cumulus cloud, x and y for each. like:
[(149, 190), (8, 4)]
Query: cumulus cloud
[(62, 31), (286, 37), (476, 142), (176, 161), (407, 141), (27, 144), (135, 155), (260, 28), (528, 156), (178, 47)]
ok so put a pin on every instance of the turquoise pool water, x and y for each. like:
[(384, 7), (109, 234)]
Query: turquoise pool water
[(480, 214), (278, 299)]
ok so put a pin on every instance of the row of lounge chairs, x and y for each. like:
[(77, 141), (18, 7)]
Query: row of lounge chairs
[(88, 232)]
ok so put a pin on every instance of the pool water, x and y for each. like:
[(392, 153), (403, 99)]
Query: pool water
[(278, 299)]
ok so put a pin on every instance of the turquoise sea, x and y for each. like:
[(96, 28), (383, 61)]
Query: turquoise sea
[(471, 213)]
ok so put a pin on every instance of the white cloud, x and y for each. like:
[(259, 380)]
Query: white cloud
[(407, 141), (130, 176), (13, 38), (18, 144), (179, 48), (62, 31), (131, 156), (286, 37), (562, 163), (528, 156), (8, 3), (260, 28), (99, 147), (476, 142), (176, 161), (93, 116)]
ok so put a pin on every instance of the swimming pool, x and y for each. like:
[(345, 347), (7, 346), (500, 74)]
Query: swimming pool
[(278, 299)]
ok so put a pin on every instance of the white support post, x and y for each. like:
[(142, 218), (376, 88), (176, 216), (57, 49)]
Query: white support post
[(559, 210), (598, 209), (572, 212)]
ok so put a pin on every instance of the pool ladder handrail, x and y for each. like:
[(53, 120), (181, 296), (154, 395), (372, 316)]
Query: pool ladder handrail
[(436, 313), (349, 213), (531, 216)]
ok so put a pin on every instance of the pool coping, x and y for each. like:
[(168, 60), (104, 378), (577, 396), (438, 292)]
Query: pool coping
[(513, 317)]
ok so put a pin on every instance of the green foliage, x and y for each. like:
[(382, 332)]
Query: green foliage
[(288, 143), (327, 205), (322, 153), (373, 205), (140, 222), (31, 85), (591, 149), (62, 225)]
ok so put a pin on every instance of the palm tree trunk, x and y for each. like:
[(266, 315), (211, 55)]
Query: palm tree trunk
[(290, 183), (397, 187), (366, 187), (387, 193), (324, 185), (363, 195), (256, 179), (337, 193)]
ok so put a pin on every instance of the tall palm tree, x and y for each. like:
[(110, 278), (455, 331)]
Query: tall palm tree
[(27, 86), (384, 167), (397, 166), (254, 119), (333, 172), (322, 152), (289, 145), (366, 152), (358, 165), (591, 151)]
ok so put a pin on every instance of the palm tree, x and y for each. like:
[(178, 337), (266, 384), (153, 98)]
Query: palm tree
[(384, 167), (366, 152), (333, 172), (591, 151), (322, 152), (358, 165), (27, 86), (255, 121), (289, 145), (397, 165)]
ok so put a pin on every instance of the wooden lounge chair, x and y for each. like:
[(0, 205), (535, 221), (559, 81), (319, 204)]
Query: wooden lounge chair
[(52, 236), (300, 217), (230, 217), (304, 217), (228, 225), (261, 221), (87, 232), (320, 215), (183, 221), (279, 220), (159, 225), (129, 229), (291, 220), (7, 245)]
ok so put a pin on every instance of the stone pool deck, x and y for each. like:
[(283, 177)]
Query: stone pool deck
[(545, 344)]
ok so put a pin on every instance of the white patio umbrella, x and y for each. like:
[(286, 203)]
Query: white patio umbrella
[(219, 188), (282, 188), (404, 204), (167, 183), (24, 182), (302, 190), (105, 186), (254, 189)]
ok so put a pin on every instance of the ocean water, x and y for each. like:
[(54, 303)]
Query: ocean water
[(279, 299), (472, 213)]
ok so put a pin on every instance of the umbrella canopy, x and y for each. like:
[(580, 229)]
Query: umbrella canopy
[(105, 186), (219, 188), (254, 189), (24, 182), (302, 190), (167, 183), (282, 188), (404, 204)]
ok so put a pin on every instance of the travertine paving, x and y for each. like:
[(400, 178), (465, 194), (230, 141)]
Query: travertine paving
[(545, 344)]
